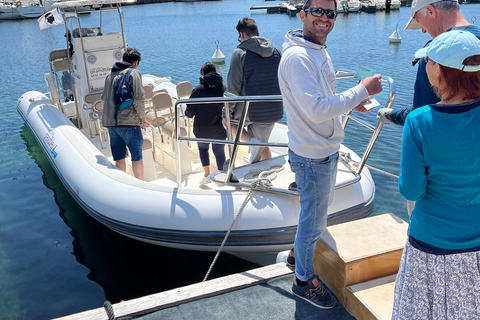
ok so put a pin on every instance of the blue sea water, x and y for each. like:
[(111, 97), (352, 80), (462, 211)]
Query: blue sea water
[(54, 258)]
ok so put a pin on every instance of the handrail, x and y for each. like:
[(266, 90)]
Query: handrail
[(230, 98), (342, 74), (236, 142)]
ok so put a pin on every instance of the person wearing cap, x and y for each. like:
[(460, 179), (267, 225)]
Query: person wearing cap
[(434, 17), (440, 267)]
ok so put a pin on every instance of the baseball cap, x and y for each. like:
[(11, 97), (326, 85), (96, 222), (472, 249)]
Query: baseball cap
[(451, 48), (417, 5)]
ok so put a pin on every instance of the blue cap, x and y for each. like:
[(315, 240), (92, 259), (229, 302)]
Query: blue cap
[(451, 48)]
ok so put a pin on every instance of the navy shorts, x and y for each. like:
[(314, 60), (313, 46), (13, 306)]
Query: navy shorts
[(123, 137)]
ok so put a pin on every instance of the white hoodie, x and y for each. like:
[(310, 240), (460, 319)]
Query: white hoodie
[(307, 81)]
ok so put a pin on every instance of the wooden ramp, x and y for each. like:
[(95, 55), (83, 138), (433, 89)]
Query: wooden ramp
[(359, 260)]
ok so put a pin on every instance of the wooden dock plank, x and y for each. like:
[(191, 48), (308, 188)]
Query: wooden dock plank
[(186, 294)]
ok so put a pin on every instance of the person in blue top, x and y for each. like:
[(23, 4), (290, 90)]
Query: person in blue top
[(440, 267), (434, 17)]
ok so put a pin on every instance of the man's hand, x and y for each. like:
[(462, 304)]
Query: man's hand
[(373, 84), (145, 124), (361, 108), (383, 115)]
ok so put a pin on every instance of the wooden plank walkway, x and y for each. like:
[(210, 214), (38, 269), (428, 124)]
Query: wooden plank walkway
[(167, 299)]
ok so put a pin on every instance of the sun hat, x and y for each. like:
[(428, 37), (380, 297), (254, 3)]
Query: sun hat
[(417, 5), (451, 48)]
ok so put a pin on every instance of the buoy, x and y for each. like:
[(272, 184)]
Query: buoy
[(218, 56), (395, 37)]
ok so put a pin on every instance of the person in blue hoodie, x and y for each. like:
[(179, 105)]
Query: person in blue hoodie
[(208, 117)]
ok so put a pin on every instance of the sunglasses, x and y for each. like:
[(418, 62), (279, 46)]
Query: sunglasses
[(318, 12)]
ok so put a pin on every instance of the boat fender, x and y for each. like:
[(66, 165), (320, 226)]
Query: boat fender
[(18, 3)]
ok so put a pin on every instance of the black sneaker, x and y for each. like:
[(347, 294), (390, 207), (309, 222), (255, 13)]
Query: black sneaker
[(291, 260), (314, 293)]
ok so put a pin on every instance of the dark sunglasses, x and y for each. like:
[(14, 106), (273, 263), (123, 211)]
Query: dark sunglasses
[(317, 12)]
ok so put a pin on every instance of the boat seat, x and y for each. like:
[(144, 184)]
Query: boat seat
[(54, 96), (148, 160), (85, 32), (169, 146), (184, 90), (89, 100), (97, 116), (58, 60), (161, 107), (148, 89), (92, 98)]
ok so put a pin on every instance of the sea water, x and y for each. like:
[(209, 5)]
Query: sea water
[(54, 258)]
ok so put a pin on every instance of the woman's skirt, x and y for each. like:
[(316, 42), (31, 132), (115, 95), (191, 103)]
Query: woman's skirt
[(437, 287)]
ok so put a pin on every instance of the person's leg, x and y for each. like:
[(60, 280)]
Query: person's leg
[(261, 132), (134, 139), (137, 167), (219, 152), (118, 148), (315, 180), (204, 158), (121, 164)]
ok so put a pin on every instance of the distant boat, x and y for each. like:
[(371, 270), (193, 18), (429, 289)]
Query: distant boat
[(14, 10), (369, 6), (395, 37), (347, 6)]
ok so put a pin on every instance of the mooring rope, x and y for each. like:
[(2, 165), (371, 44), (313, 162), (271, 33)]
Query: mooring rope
[(259, 184), (381, 171)]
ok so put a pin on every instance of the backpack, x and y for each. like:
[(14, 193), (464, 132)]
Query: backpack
[(122, 92)]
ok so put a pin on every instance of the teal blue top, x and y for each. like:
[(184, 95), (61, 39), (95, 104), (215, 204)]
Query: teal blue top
[(441, 172)]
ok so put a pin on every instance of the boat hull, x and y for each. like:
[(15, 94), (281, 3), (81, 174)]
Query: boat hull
[(15, 13), (165, 215)]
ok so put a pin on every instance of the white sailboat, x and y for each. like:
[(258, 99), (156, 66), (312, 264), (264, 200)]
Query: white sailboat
[(15, 10), (170, 208)]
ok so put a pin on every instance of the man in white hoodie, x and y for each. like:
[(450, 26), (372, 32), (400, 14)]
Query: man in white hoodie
[(308, 84)]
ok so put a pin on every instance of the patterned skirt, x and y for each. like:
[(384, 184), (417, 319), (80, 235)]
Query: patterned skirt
[(437, 287)]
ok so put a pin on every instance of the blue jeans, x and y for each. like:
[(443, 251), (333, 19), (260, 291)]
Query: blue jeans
[(121, 137), (315, 180)]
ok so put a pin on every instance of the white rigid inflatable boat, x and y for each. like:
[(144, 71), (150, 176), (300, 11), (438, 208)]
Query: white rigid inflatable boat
[(171, 208)]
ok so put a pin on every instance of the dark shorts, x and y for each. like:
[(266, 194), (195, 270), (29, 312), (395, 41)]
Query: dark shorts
[(123, 137)]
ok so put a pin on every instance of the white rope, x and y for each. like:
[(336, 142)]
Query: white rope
[(258, 184)]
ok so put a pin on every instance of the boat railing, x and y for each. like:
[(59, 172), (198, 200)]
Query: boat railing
[(233, 144), (358, 167)]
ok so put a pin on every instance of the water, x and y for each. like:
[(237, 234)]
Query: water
[(56, 260)]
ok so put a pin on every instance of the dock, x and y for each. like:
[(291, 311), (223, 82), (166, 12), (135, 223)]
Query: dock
[(357, 260)]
